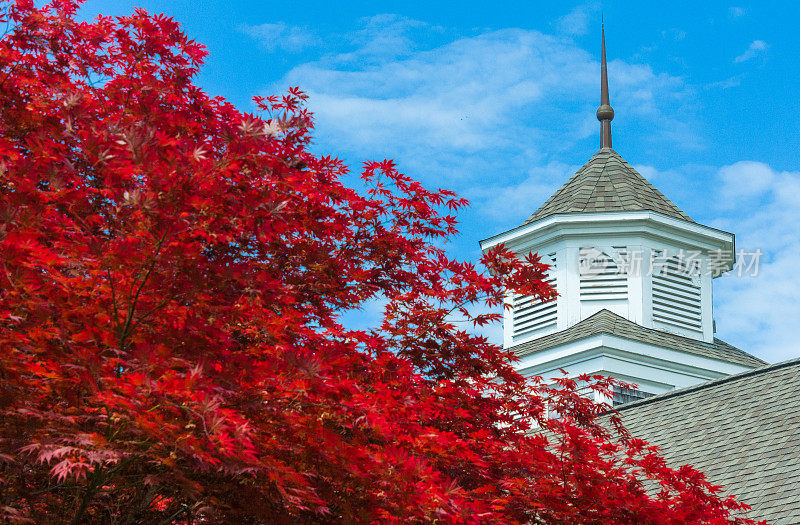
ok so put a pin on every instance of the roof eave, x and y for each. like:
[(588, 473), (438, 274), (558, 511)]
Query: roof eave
[(542, 227)]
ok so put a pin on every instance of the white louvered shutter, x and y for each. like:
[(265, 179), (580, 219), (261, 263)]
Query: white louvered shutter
[(532, 314), (603, 280), (677, 296)]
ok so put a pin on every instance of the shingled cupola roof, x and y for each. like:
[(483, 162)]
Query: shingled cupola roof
[(607, 183), (607, 322)]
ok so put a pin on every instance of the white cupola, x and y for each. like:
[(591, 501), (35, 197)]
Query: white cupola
[(615, 242), (627, 263)]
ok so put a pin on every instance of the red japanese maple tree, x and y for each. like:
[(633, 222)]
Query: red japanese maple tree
[(172, 276)]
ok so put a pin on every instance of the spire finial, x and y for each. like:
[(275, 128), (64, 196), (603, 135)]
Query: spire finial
[(605, 113)]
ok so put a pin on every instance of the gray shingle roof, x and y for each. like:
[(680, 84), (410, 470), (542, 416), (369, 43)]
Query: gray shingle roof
[(742, 431), (607, 322), (607, 183)]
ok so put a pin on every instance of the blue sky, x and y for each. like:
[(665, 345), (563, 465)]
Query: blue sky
[(496, 101)]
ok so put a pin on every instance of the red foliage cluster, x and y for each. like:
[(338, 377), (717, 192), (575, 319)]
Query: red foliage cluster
[(172, 277)]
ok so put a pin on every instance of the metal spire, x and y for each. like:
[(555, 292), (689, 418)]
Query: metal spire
[(605, 113)]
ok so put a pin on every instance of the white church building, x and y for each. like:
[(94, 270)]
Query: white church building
[(634, 276)]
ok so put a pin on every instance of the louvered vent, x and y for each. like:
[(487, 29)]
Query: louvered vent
[(602, 277), (532, 314), (676, 295), (622, 395)]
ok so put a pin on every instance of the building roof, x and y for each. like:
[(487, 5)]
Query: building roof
[(607, 322), (607, 183), (742, 431)]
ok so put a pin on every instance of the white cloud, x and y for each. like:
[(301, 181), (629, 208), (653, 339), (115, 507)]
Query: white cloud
[(761, 313), (756, 48), (744, 181), (576, 22), (499, 202), (648, 172), (452, 110), (283, 37), (385, 35)]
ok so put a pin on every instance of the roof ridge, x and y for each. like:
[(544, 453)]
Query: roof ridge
[(709, 384), (552, 197), (566, 183), (652, 186), (596, 182), (630, 192)]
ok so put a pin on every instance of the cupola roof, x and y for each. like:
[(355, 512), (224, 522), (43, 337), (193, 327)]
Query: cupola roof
[(607, 184)]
